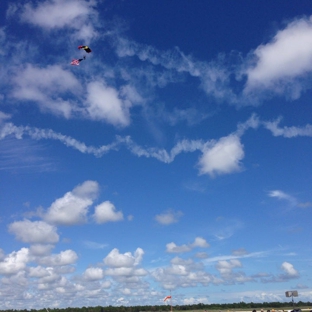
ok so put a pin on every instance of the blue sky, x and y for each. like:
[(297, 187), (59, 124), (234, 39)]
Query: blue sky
[(175, 158)]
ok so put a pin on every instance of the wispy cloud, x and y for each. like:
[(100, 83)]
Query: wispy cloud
[(223, 156), (287, 132), (160, 154), (25, 155), (226, 228), (283, 196), (257, 254), (94, 245), (279, 65)]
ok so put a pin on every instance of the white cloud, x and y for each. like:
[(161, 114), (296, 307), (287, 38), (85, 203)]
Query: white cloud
[(34, 232), (239, 252), (169, 217), (93, 245), (63, 258), (38, 134), (126, 275), (286, 57), (127, 260), (225, 228), (173, 248), (14, 262), (163, 155), (198, 242), (218, 157), (106, 212), (93, 274), (45, 86), (252, 122), (50, 279), (287, 132), (4, 116), (191, 301), (214, 76), (160, 154), (104, 103), (56, 14), (73, 207), (283, 196), (226, 267), (257, 254), (289, 269), (183, 273), (222, 157), (38, 271), (40, 249), (201, 255), (2, 36)]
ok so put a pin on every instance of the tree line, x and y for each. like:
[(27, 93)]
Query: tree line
[(163, 308)]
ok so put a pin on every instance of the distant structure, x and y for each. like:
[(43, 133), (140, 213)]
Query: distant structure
[(292, 294)]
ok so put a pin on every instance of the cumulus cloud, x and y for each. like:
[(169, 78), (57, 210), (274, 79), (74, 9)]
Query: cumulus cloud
[(40, 249), (56, 14), (289, 270), (73, 207), (14, 262), (286, 57), (127, 275), (198, 242), (104, 103), (49, 87), (127, 260), (38, 271), (46, 87), (226, 267), (169, 217), (174, 248), (183, 272), (106, 212), (93, 274), (223, 157), (289, 273), (63, 258), (34, 232)]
